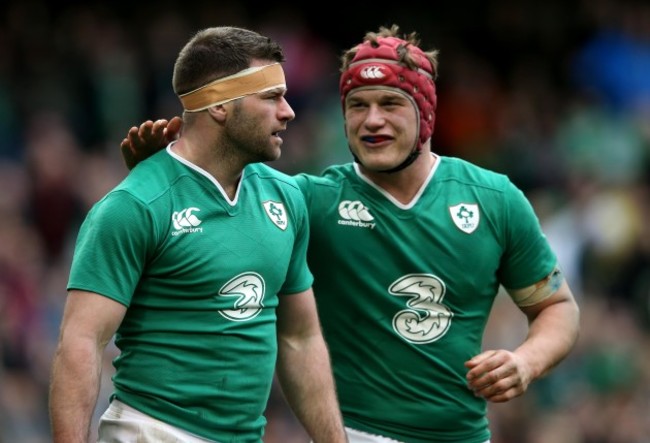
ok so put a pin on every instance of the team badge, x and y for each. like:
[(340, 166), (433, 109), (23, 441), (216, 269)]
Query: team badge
[(277, 213), (465, 216)]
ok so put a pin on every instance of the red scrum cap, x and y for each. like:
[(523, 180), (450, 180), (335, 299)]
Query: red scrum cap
[(378, 64)]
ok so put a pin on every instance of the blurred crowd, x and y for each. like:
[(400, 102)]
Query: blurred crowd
[(555, 94)]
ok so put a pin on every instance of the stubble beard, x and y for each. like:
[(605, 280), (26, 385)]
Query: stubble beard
[(252, 143)]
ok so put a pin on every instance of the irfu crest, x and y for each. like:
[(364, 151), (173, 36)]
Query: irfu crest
[(465, 216), (277, 213)]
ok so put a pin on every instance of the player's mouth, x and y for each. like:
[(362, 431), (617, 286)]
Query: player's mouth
[(277, 133), (374, 139)]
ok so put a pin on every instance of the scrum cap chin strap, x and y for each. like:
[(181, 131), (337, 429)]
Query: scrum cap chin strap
[(378, 65)]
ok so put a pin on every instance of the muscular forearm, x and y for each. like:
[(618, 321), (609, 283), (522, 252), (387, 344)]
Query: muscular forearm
[(306, 379), (551, 336), (74, 389), (499, 375)]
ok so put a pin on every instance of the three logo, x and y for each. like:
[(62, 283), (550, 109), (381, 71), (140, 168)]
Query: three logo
[(247, 291)]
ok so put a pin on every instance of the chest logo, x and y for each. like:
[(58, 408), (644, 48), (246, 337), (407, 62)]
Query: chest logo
[(355, 213), (277, 213), (426, 318), (186, 222), (466, 216), (247, 292)]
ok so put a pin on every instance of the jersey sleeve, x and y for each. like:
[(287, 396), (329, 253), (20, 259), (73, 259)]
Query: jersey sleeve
[(528, 255), (304, 183), (299, 276), (112, 247)]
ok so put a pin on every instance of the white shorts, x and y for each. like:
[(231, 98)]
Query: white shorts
[(355, 436), (121, 423)]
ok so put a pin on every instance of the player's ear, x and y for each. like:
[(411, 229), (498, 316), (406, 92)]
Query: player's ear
[(218, 112)]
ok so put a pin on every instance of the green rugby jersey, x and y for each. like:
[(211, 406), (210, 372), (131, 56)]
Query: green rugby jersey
[(404, 291), (200, 276)]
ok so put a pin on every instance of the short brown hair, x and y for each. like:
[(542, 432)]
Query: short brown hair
[(217, 52)]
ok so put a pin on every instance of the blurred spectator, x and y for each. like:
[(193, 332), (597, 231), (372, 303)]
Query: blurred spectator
[(52, 162), (556, 94), (614, 64)]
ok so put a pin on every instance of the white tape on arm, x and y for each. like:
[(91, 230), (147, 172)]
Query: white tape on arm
[(538, 292)]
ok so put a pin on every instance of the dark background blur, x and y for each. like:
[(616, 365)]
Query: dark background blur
[(556, 94)]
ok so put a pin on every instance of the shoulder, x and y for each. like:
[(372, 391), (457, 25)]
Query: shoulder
[(470, 174), (146, 190), (151, 178), (270, 184), (266, 177), (332, 177), (262, 171), (493, 191)]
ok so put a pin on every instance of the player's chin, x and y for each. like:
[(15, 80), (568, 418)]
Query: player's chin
[(272, 153), (377, 162)]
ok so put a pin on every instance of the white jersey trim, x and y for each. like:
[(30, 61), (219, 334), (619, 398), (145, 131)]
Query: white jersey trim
[(392, 199), (207, 175)]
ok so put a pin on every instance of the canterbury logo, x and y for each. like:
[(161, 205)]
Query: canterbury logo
[(185, 221), (372, 72), (355, 213)]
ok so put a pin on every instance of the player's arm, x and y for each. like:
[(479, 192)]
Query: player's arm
[(89, 322), (553, 319), (304, 370), (150, 137)]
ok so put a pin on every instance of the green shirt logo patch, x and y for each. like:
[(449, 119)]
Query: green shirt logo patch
[(465, 216), (277, 213)]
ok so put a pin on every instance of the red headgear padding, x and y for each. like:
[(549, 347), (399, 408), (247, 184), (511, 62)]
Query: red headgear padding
[(379, 66)]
